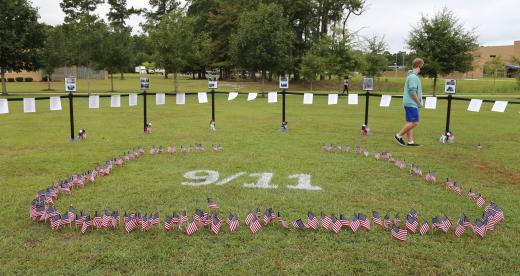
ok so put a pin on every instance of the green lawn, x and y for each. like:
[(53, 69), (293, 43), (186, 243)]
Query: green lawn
[(389, 85), (34, 154)]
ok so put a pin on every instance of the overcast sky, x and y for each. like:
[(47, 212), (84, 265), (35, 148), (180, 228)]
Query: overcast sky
[(496, 22)]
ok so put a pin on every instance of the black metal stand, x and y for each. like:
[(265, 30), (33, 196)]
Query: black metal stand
[(367, 100), (71, 111), (448, 114), (283, 105), (213, 105), (145, 110)]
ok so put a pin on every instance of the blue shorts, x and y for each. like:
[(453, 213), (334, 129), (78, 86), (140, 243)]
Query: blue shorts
[(412, 114)]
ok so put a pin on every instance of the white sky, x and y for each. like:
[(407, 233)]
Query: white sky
[(496, 22)]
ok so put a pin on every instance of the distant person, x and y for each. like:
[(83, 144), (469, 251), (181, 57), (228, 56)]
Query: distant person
[(345, 85), (412, 101)]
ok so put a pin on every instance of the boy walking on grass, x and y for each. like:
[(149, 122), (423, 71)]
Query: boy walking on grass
[(412, 101)]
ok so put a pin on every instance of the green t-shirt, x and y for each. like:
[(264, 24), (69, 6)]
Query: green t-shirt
[(412, 86)]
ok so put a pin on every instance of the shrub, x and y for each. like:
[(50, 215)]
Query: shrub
[(29, 79), (19, 79), (10, 79)]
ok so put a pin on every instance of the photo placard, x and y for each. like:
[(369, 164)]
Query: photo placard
[(368, 84), (450, 86), (144, 83), (284, 82), (212, 82), (70, 84)]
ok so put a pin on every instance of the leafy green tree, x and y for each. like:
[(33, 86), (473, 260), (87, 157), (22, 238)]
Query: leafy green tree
[(375, 59), (262, 41), (21, 38), (444, 45), (54, 52), (311, 66), (173, 41)]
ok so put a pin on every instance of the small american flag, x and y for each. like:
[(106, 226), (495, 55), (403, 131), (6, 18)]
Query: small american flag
[(460, 226), (425, 227), (298, 224), (183, 219), (397, 219), (86, 224), (191, 228), (175, 218), (336, 224), (234, 223), (255, 225), (457, 188), (215, 224), (106, 219), (267, 216), (56, 222), (312, 221), (97, 222), (387, 221), (249, 217), (471, 195), (325, 221), (154, 219), (411, 223), (398, 234), (479, 228), (80, 218), (212, 204), (480, 201), (364, 221), (376, 218), (355, 223), (344, 221), (431, 177), (168, 224)]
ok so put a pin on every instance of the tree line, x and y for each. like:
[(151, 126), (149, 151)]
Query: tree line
[(307, 39)]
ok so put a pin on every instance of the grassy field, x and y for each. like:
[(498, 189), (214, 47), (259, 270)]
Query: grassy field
[(34, 154), (390, 85)]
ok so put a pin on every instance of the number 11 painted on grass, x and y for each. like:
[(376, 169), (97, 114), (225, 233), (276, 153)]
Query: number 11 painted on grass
[(208, 177)]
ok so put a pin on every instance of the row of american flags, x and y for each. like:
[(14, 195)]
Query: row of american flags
[(42, 209), (185, 149)]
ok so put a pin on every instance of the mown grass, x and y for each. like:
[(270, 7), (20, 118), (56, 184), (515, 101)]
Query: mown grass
[(34, 154), (389, 85)]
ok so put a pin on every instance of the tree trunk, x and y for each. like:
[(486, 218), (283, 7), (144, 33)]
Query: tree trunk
[(122, 75), (204, 72), (193, 75), (263, 81), (88, 78), (165, 74), (435, 86), (2, 76), (48, 82), (311, 86), (270, 76), (175, 84), (296, 76), (111, 82), (199, 74)]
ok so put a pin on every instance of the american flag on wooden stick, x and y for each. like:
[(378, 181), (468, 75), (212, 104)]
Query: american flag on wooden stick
[(233, 222), (255, 225), (249, 217), (168, 224), (298, 224), (387, 221), (354, 224), (215, 224), (312, 221), (56, 222), (479, 228), (364, 221), (472, 195), (411, 223), (425, 227), (212, 204), (336, 224), (398, 234), (480, 201), (325, 221), (87, 223), (460, 226), (376, 218), (191, 228)]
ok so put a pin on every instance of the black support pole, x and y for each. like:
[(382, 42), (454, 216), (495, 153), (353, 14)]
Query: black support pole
[(213, 105), (145, 111), (71, 111), (367, 100), (448, 114), (283, 105)]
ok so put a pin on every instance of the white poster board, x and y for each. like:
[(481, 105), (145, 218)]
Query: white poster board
[(29, 105), (115, 101), (272, 97), (251, 96), (4, 106), (93, 101), (55, 103), (431, 103), (308, 98), (368, 84), (333, 99), (203, 97), (132, 100), (499, 106), (352, 98), (144, 83), (70, 84), (474, 105), (160, 98), (450, 86), (212, 82), (232, 96), (180, 98), (284, 82), (385, 100)]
